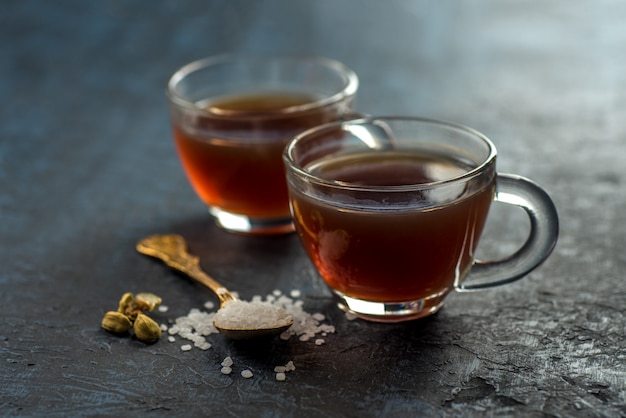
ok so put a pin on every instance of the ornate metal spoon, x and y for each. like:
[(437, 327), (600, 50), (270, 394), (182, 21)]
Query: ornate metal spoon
[(172, 249)]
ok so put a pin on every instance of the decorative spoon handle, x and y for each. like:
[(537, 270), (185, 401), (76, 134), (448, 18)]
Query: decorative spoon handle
[(172, 249)]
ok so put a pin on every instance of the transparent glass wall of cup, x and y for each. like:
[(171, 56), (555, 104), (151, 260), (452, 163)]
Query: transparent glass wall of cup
[(232, 116), (390, 211)]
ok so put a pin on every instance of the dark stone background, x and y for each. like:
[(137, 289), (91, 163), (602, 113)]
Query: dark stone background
[(87, 168)]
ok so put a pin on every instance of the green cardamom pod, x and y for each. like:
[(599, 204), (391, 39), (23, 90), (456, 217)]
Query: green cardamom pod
[(146, 329), (116, 322), (147, 301), (126, 300)]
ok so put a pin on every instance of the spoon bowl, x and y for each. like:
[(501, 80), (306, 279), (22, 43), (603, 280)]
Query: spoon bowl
[(172, 249)]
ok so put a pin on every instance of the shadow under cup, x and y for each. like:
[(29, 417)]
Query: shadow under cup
[(390, 212), (232, 116)]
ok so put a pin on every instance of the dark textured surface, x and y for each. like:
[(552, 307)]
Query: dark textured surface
[(87, 167)]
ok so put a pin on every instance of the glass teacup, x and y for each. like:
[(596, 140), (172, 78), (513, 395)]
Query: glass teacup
[(391, 210)]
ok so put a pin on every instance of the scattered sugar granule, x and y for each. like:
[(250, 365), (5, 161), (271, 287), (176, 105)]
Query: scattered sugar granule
[(186, 347), (209, 306), (277, 292), (194, 327), (318, 316), (202, 345), (163, 327), (281, 371), (171, 339), (227, 362), (305, 326), (295, 293), (247, 374), (226, 370), (319, 341), (163, 308), (351, 316)]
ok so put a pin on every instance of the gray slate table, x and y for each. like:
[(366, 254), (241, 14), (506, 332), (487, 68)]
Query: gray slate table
[(87, 168)]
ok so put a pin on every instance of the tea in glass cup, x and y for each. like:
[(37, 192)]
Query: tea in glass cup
[(391, 210), (232, 116)]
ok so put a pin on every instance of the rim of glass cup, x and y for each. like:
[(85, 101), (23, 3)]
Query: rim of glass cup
[(349, 88), (476, 171)]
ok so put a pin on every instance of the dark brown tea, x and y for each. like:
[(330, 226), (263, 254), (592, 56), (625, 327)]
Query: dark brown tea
[(232, 154), (399, 246)]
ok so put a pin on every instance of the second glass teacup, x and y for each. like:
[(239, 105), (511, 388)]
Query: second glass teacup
[(390, 212), (232, 116)]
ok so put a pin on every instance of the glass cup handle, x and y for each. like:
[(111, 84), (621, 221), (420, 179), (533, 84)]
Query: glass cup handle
[(544, 231)]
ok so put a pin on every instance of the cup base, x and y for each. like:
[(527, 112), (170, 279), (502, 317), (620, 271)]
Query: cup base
[(242, 224), (389, 312)]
